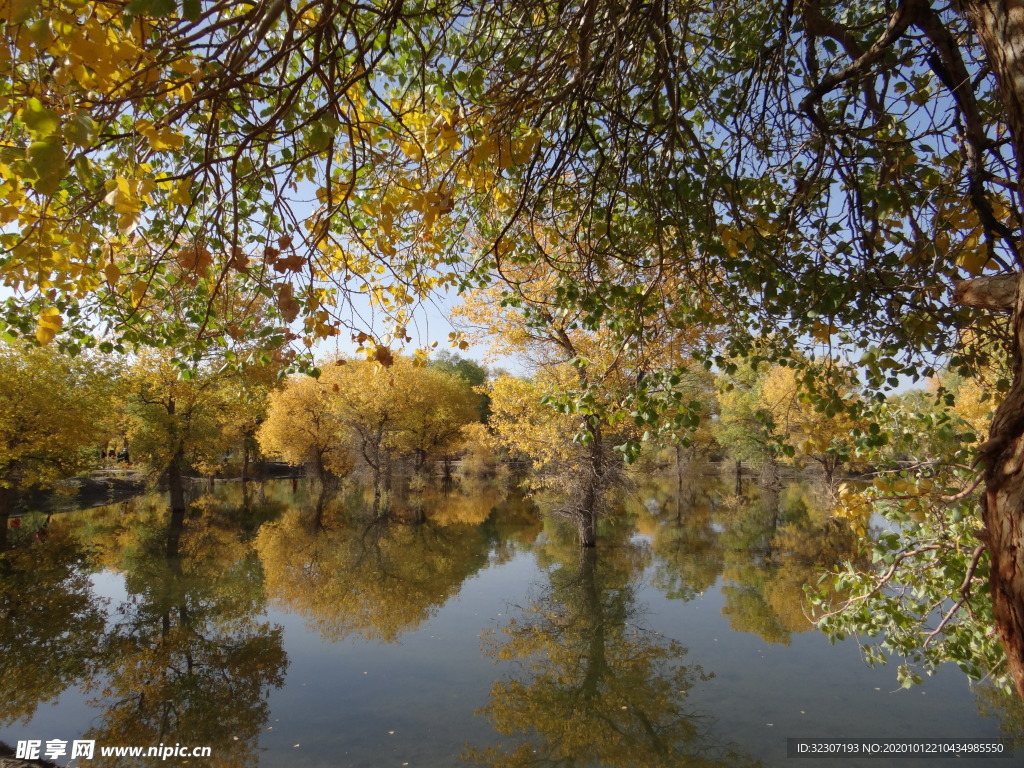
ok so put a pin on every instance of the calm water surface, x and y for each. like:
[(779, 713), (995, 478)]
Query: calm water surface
[(466, 630)]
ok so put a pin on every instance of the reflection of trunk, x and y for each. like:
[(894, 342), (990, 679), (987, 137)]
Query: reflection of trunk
[(770, 499), (686, 493), (318, 509), (174, 531), (419, 513), (596, 664), (681, 462)]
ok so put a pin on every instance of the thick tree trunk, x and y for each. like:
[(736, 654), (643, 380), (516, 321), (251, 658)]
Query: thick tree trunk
[(999, 26)]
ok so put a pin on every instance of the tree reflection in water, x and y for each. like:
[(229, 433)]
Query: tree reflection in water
[(186, 658), (764, 546), (591, 686), (351, 574), (50, 624)]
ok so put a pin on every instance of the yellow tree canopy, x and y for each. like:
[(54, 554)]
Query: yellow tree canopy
[(51, 416)]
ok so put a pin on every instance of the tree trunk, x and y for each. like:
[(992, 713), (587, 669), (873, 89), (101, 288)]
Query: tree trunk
[(590, 504), (999, 26), (6, 496), (175, 482)]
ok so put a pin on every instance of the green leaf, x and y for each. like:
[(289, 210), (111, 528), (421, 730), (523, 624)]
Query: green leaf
[(191, 10), (81, 130), (154, 8), (40, 121), (48, 163)]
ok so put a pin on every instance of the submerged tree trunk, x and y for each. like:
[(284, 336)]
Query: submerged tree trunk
[(591, 498), (245, 461), (1000, 29), (6, 499), (175, 481)]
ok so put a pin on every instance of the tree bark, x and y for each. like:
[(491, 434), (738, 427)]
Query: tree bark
[(999, 26), (590, 503), (994, 292)]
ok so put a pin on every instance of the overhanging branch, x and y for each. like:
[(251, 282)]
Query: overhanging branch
[(994, 292)]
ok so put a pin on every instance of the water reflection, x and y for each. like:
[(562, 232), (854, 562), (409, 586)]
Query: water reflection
[(349, 573), (590, 684), (181, 649), (51, 623), (763, 545), (190, 660), (185, 657)]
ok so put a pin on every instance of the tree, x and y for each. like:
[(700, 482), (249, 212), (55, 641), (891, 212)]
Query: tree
[(438, 405), (823, 168), (356, 409), (864, 153), (812, 431), (303, 428), (743, 426), (470, 371), (591, 376), (171, 420), (50, 418)]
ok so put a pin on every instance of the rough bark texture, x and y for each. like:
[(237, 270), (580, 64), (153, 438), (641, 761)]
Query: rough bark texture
[(995, 292), (999, 25)]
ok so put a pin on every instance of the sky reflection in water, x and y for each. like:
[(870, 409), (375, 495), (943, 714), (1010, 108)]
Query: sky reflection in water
[(466, 629)]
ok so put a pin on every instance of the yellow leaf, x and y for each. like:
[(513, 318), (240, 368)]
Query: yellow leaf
[(973, 260), (180, 194), (159, 138), (138, 292), (49, 324), (112, 273)]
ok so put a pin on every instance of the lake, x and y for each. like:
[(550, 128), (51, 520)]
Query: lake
[(279, 628)]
